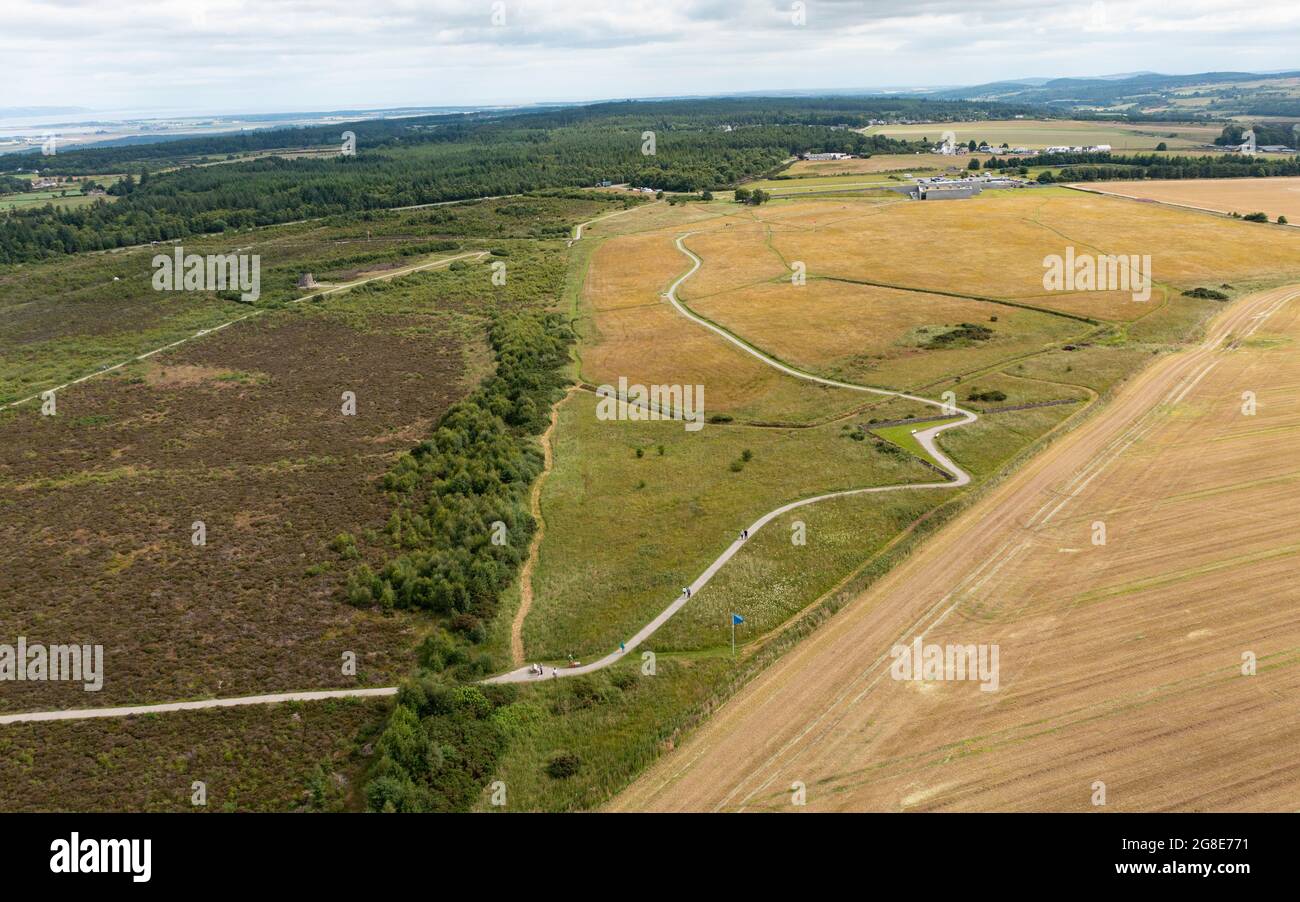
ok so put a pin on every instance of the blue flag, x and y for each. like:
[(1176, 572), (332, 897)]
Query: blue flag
[(736, 618)]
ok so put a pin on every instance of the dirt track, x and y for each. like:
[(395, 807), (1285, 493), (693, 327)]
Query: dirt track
[(526, 573), (829, 716)]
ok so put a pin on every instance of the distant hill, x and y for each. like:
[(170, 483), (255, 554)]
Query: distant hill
[(1206, 94)]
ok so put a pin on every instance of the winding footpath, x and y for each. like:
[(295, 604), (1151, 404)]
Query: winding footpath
[(925, 437)]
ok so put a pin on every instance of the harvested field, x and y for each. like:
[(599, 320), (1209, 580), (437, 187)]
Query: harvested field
[(880, 163), (1273, 196), (1040, 133), (1031, 226), (1119, 662)]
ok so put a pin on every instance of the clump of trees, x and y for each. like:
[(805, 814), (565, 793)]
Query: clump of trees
[(461, 522), (962, 332), (439, 748)]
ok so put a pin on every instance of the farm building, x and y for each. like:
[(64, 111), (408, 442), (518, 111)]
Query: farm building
[(944, 192)]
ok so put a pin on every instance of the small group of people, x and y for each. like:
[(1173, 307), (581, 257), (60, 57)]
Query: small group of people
[(686, 591), (744, 534)]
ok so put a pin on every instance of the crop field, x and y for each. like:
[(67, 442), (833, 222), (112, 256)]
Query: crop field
[(1039, 133), (1137, 580), (883, 163), (1032, 225), (1272, 196)]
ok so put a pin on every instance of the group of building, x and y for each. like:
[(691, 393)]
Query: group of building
[(949, 148), (825, 156), (943, 188)]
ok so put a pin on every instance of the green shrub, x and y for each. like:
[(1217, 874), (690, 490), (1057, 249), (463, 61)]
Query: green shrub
[(563, 765), (1208, 294)]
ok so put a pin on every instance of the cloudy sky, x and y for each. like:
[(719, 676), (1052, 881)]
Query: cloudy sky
[(206, 56)]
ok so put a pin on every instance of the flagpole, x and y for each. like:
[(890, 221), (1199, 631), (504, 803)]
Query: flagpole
[(733, 635)]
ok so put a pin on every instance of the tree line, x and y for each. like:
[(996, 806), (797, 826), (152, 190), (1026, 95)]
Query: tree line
[(698, 146)]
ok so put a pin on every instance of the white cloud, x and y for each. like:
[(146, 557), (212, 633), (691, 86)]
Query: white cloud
[(211, 55)]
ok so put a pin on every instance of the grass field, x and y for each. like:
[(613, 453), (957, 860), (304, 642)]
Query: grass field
[(1273, 196), (1029, 226), (60, 198), (1039, 133), (877, 336), (661, 518), (634, 334)]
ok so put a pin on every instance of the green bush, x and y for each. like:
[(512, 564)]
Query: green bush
[(563, 765)]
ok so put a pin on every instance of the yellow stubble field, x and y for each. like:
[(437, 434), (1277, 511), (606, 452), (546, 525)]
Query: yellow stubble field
[(878, 336), (1156, 671), (882, 163), (1273, 196), (994, 246), (634, 333)]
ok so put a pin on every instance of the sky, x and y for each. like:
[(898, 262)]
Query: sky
[(207, 56)]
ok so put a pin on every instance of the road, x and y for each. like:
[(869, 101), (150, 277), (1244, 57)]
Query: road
[(799, 717), (87, 713)]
